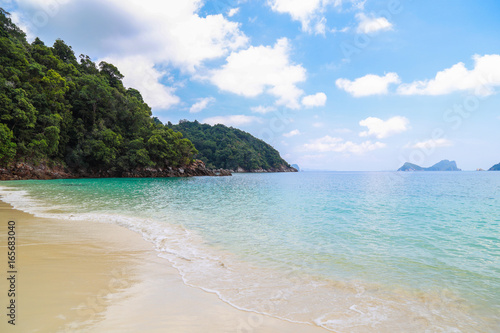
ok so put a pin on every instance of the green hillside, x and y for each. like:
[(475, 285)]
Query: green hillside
[(58, 110), (225, 147)]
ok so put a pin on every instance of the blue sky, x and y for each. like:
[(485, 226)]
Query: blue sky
[(331, 84)]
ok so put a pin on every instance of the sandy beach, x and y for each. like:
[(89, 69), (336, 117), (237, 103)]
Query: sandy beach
[(97, 277)]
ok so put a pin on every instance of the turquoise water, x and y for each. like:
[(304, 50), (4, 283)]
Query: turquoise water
[(351, 252)]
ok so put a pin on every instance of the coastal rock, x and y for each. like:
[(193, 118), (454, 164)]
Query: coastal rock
[(222, 172), (27, 171), (281, 168)]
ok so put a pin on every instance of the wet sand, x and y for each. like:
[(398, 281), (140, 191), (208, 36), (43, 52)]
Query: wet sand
[(80, 276)]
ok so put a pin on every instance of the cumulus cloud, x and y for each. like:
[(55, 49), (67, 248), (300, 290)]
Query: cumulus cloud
[(310, 13), (291, 133), (140, 72), (163, 33), (18, 20), (263, 109), (182, 36), (318, 99), (233, 11), (338, 145), (431, 144), (262, 69), (368, 85), (482, 79), (201, 104), (384, 128), (166, 31), (232, 120), (369, 24)]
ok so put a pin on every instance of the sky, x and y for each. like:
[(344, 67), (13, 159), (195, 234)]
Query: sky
[(346, 85)]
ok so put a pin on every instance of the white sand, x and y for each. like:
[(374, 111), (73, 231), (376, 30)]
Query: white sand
[(95, 277)]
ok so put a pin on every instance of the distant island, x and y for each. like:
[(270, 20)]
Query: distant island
[(496, 167), (444, 165)]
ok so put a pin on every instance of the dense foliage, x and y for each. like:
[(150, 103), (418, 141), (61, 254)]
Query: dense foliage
[(229, 148), (57, 109)]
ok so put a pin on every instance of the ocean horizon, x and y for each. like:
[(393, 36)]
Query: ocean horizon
[(347, 251)]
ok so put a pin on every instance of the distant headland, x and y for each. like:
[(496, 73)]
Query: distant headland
[(63, 117), (496, 167)]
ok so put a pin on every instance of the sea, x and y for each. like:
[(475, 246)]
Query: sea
[(346, 251)]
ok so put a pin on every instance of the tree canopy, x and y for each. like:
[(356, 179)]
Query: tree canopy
[(225, 147), (57, 109)]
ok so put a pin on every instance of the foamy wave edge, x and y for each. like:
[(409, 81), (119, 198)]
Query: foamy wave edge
[(337, 306)]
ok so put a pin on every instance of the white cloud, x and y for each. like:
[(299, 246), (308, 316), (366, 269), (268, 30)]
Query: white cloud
[(167, 32), (431, 144), (382, 129), (330, 144), (201, 104), (233, 120), (371, 24), (291, 133), (368, 85), (318, 125), (303, 11), (163, 33), (309, 13), (141, 74), (17, 19), (318, 99), (180, 35), (233, 11), (335, 30), (262, 69), (263, 109), (482, 79)]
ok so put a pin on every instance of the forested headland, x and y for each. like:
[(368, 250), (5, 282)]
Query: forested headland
[(70, 116), (222, 147)]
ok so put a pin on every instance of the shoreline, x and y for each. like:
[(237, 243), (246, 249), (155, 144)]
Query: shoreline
[(27, 171), (99, 277)]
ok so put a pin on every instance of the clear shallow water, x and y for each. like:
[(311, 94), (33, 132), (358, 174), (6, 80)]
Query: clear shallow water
[(352, 252)]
